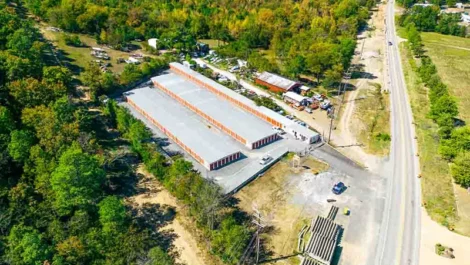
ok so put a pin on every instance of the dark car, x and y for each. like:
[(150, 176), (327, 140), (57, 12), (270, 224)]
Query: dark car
[(338, 188), (390, 43)]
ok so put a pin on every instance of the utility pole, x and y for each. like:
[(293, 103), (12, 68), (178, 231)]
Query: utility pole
[(342, 87), (260, 224)]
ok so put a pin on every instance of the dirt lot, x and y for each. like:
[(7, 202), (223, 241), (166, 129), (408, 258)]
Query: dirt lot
[(271, 194), (361, 119), (189, 251)]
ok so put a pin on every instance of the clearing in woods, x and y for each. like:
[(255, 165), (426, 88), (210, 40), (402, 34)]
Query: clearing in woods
[(185, 242), (78, 58), (271, 194)]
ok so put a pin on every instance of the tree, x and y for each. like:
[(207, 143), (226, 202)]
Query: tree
[(20, 144), (156, 256), (22, 41), (72, 251), (138, 132), (445, 105), (459, 141), (56, 74), (76, 181), (112, 215), (26, 246), (7, 124), (460, 169), (227, 237), (31, 92)]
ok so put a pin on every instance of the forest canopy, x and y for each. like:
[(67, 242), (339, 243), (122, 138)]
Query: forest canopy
[(318, 34)]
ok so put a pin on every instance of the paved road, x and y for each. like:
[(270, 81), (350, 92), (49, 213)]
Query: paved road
[(399, 239)]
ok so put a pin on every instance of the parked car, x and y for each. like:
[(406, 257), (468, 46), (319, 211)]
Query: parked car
[(308, 110), (325, 105), (318, 97), (338, 188), (265, 160), (234, 69)]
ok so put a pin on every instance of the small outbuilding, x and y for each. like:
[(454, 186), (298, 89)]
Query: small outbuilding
[(153, 42), (294, 98), (276, 83), (304, 90)]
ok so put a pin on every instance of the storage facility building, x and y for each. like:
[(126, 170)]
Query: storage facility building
[(241, 125), (248, 105), (276, 83), (207, 146)]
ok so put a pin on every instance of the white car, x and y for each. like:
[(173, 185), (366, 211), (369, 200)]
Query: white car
[(318, 97), (265, 160)]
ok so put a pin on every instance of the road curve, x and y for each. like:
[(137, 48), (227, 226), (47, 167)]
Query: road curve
[(400, 232)]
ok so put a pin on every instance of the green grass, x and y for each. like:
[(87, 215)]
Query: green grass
[(436, 182), (451, 55), (78, 58)]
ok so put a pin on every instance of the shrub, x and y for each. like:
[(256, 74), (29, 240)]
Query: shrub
[(460, 169), (73, 40), (383, 137)]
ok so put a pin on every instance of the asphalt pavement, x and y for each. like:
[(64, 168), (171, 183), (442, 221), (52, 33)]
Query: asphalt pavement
[(399, 238)]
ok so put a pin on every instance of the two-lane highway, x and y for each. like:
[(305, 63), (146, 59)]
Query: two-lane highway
[(400, 232)]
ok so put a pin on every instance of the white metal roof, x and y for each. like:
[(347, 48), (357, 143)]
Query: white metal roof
[(210, 144), (277, 80), (237, 120), (294, 96), (305, 88)]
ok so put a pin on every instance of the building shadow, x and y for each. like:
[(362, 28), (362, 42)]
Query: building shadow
[(339, 249)]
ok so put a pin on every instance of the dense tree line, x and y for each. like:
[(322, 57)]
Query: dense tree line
[(454, 142), (225, 227), (305, 37), (429, 19), (59, 199)]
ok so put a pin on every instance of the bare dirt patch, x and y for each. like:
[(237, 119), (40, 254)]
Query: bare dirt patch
[(271, 194), (359, 108), (186, 244)]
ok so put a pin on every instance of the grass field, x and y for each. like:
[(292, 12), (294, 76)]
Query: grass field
[(373, 112), (436, 184), (78, 58), (451, 55)]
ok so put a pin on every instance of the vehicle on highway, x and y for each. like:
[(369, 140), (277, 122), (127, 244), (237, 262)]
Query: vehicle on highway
[(338, 188), (390, 43), (265, 159)]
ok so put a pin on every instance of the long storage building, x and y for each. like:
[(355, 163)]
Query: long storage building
[(206, 145), (236, 122), (245, 104)]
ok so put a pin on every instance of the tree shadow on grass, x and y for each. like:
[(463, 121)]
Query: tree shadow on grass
[(68, 62)]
